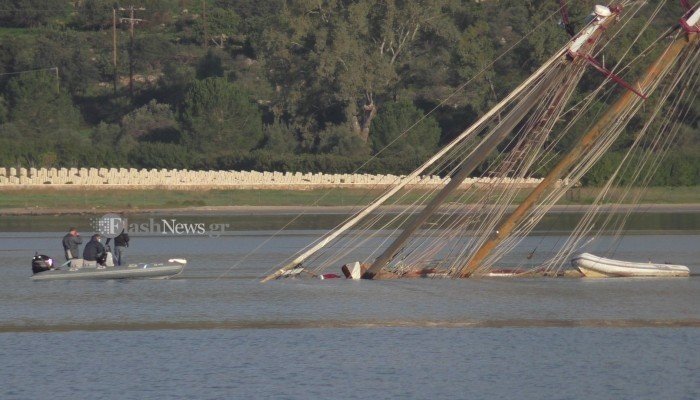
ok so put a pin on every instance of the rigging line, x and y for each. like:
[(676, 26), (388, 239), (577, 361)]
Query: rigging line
[(669, 119), (486, 146), (440, 239), (619, 70), (634, 197), (535, 149), (448, 223), (359, 239), (324, 240), (353, 243), (507, 195), (498, 184), (455, 167), (591, 213), (430, 245), (387, 193), (628, 15), (444, 101), (457, 219), (486, 233), (616, 128), (554, 154), (29, 70), (501, 204), (671, 125), (433, 170), (331, 236), (439, 169)]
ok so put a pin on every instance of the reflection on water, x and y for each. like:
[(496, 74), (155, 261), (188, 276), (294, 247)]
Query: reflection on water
[(216, 332)]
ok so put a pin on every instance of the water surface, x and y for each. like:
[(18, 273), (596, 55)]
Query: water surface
[(216, 332)]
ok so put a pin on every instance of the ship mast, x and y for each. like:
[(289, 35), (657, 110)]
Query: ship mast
[(415, 174), (586, 142), (587, 36), (580, 45)]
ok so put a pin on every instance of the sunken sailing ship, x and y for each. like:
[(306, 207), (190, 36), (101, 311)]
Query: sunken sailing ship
[(454, 232)]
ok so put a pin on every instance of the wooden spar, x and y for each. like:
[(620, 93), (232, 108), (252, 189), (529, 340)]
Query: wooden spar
[(584, 144), (586, 39), (415, 174), (477, 157), (588, 33)]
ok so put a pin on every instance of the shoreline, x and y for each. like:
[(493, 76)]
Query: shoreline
[(326, 210)]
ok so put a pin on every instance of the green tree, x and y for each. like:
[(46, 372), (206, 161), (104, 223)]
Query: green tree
[(152, 122), (221, 118), (93, 14), (3, 110), (174, 83), (31, 13), (391, 129), (37, 107), (336, 61), (210, 65), (340, 140), (280, 138), (160, 155)]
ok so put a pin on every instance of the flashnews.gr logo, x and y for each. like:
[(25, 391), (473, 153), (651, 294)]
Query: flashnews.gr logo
[(109, 225)]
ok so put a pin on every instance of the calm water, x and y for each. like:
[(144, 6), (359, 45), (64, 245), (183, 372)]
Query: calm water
[(217, 333)]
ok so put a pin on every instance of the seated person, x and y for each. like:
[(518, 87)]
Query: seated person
[(94, 251)]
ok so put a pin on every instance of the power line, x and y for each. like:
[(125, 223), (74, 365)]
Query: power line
[(33, 10), (29, 70), (55, 69)]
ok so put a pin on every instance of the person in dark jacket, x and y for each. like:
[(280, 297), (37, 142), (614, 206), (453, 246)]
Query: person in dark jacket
[(94, 250), (121, 242), (71, 244)]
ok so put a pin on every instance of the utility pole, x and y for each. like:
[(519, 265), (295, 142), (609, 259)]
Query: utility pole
[(206, 28), (58, 80), (132, 21), (114, 48)]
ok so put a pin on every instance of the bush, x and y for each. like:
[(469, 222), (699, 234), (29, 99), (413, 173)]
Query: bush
[(160, 155), (220, 117), (394, 120)]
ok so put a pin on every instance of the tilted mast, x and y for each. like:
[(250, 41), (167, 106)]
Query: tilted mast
[(581, 44), (586, 142), (415, 174), (592, 31)]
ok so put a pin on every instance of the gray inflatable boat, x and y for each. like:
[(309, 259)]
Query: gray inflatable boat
[(173, 267)]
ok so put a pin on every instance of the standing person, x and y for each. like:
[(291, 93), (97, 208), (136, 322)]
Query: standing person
[(94, 252), (71, 244), (121, 242)]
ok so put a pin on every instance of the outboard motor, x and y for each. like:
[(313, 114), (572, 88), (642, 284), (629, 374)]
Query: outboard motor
[(41, 263)]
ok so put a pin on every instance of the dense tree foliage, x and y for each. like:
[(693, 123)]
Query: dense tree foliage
[(218, 116), (291, 85)]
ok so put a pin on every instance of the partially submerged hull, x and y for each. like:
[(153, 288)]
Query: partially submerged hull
[(599, 267), (133, 271)]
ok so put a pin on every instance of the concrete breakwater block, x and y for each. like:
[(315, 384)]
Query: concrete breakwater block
[(174, 178)]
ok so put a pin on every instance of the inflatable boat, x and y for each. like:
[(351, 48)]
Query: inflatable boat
[(173, 267), (599, 267)]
